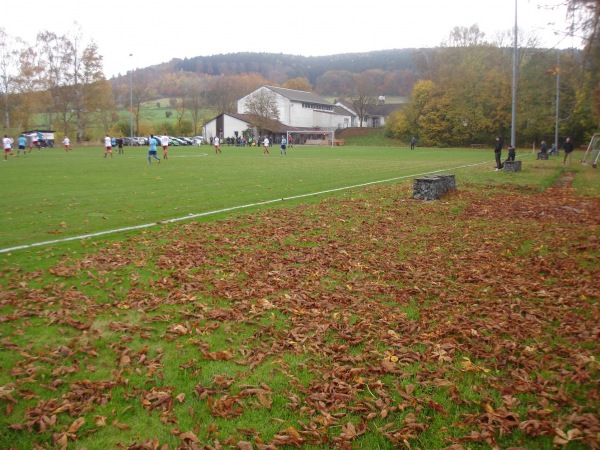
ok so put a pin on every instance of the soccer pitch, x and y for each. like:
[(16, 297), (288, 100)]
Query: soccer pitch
[(51, 195)]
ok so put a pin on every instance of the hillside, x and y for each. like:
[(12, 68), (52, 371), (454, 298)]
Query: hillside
[(283, 67)]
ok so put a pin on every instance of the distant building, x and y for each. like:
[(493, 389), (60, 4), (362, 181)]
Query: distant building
[(376, 114), (304, 110), (298, 111)]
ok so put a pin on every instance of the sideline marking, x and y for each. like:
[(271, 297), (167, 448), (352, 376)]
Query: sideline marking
[(231, 208)]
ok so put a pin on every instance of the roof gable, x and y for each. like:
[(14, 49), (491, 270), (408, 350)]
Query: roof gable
[(299, 96)]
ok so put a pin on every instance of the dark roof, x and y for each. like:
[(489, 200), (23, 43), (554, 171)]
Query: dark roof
[(299, 96), (384, 110)]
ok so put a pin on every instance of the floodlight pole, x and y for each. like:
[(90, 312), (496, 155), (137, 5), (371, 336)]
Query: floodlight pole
[(513, 131), (131, 103), (557, 98)]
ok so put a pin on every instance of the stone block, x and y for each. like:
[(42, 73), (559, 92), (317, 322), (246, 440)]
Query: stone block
[(512, 166), (432, 187)]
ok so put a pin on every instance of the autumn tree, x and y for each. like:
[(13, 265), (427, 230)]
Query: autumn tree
[(335, 82), (298, 84), (584, 22), (9, 54), (223, 92)]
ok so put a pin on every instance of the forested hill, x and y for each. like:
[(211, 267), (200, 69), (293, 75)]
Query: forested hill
[(282, 66)]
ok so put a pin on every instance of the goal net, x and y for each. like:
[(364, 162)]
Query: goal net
[(593, 152), (311, 137)]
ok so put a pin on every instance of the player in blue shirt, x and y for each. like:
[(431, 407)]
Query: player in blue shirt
[(152, 149), (283, 145), (22, 143)]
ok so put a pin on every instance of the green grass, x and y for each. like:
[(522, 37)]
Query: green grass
[(356, 306), (53, 195)]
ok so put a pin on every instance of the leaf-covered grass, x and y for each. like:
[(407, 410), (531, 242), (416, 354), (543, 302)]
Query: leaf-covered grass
[(357, 319)]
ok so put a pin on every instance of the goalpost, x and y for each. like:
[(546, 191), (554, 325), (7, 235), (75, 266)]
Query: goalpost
[(311, 137), (593, 152)]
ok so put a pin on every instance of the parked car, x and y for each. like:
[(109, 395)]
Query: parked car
[(127, 142), (173, 142), (198, 140), (186, 140)]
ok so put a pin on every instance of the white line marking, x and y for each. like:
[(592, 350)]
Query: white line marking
[(232, 208)]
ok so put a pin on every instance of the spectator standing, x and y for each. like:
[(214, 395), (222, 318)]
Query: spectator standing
[(498, 152), (568, 148), (107, 146), (413, 141)]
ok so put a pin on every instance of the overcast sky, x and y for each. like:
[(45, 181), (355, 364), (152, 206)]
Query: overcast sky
[(155, 32)]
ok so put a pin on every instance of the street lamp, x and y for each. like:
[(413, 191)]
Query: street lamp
[(131, 104)]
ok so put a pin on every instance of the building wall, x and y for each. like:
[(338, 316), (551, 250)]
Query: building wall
[(294, 115), (229, 126)]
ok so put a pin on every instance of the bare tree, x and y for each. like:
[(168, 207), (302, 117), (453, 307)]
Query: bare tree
[(465, 37), (262, 106), (364, 97)]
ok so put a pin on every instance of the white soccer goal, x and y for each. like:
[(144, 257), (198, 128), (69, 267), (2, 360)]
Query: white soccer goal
[(593, 152), (311, 137)]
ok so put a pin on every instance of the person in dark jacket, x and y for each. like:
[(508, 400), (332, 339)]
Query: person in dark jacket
[(568, 148), (498, 152), (543, 150)]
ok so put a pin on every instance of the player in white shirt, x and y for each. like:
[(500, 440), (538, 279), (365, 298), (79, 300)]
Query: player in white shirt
[(107, 146), (217, 146), (266, 146), (67, 143), (164, 141), (7, 144)]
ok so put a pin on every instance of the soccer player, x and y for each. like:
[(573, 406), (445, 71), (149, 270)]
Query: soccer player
[(217, 146), (152, 149), (22, 144), (164, 141), (67, 143), (266, 146), (7, 144), (283, 145), (107, 146)]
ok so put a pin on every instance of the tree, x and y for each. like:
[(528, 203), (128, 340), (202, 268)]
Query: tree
[(223, 92), (262, 107), (195, 100), (584, 21), (364, 97), (465, 37), (298, 84), (8, 67)]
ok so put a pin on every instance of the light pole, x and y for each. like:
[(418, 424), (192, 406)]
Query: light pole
[(131, 104), (557, 99), (513, 131)]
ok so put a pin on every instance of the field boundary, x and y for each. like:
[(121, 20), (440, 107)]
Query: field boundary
[(223, 210)]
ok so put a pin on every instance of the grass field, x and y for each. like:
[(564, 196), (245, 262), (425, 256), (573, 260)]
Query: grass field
[(332, 312), (51, 194)]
